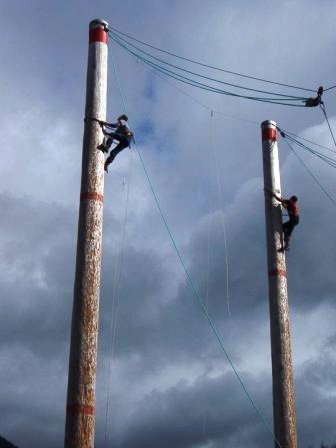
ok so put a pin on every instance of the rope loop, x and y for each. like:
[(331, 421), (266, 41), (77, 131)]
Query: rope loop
[(101, 123)]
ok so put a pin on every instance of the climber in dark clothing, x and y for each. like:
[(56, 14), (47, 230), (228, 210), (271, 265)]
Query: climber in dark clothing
[(316, 100), (122, 134), (293, 213)]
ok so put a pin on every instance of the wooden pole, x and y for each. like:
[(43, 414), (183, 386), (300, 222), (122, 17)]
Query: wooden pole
[(283, 388), (80, 410)]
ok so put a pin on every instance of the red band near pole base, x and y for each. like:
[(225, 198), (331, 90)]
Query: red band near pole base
[(98, 35), (277, 273), (80, 409), (92, 195)]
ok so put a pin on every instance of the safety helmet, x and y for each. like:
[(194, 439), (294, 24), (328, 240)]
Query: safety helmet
[(123, 117)]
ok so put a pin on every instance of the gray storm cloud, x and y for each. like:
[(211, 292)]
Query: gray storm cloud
[(160, 368)]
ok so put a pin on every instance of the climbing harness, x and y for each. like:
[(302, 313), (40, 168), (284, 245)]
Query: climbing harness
[(122, 129)]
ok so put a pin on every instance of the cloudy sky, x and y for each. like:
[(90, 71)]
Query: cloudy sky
[(162, 378)]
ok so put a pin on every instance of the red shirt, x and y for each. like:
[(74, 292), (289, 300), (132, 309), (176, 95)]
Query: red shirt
[(292, 208)]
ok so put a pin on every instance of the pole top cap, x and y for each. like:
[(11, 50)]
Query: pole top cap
[(268, 124), (98, 23)]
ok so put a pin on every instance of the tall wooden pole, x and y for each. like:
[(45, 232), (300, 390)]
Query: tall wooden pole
[(80, 410), (283, 388)]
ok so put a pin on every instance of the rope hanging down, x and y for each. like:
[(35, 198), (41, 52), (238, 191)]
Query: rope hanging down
[(221, 205), (117, 277), (190, 281), (322, 106)]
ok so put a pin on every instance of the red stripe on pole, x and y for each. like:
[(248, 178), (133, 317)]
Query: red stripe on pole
[(98, 35), (277, 273), (80, 409), (92, 195), (269, 134)]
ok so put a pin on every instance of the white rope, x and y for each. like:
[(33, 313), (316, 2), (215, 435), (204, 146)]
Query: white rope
[(117, 276), (221, 205)]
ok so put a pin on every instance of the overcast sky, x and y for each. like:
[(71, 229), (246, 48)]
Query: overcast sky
[(162, 378)]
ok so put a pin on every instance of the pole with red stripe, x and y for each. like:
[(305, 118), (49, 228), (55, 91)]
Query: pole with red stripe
[(284, 413), (80, 410)]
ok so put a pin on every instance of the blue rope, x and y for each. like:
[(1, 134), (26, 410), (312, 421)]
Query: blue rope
[(118, 82), (311, 174), (191, 283), (119, 41), (329, 160), (329, 88), (210, 109), (308, 141), (206, 87), (211, 66), (204, 309), (322, 106)]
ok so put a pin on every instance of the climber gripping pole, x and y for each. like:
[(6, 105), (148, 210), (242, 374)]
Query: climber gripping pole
[(80, 409), (284, 415)]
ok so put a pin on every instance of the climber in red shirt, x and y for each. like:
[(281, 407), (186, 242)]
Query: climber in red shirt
[(293, 214)]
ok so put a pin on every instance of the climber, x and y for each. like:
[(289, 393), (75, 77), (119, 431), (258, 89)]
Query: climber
[(315, 101), (293, 214), (122, 134)]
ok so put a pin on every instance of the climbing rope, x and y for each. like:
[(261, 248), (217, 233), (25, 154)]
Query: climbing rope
[(221, 202), (309, 171), (289, 133), (187, 80), (119, 33), (190, 280), (331, 161), (189, 72), (117, 280), (329, 88), (116, 291), (322, 106), (280, 98), (200, 103)]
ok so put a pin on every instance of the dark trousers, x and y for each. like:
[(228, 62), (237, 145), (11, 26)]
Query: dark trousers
[(288, 228), (123, 140)]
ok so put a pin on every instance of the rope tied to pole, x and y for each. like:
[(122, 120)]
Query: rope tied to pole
[(286, 138), (101, 123)]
